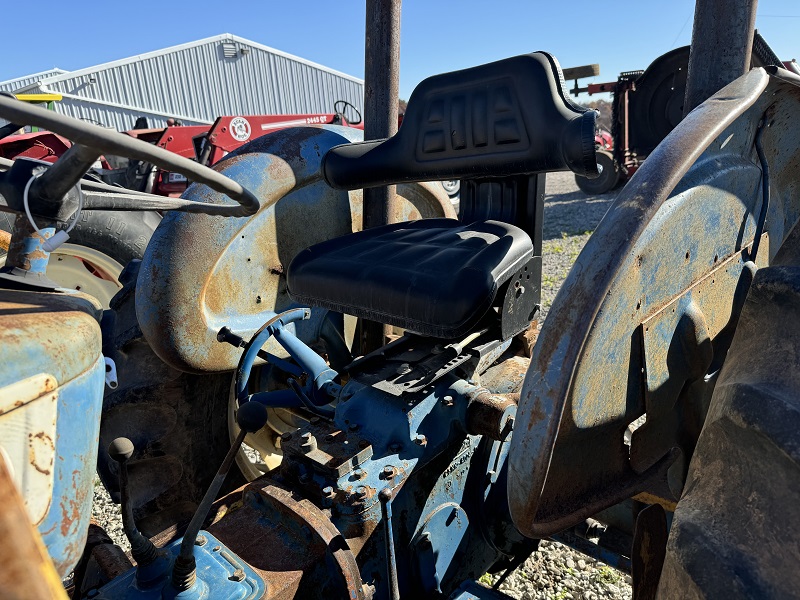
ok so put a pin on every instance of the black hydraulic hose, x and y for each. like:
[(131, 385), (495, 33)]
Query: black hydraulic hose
[(112, 142), (762, 217)]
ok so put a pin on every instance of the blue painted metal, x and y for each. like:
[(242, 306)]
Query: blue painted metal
[(80, 401), (693, 205), (229, 272), (415, 446), (472, 590), (220, 574), (58, 335), (320, 389), (33, 253)]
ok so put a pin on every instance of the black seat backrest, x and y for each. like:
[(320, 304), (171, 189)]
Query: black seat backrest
[(506, 118), (498, 128)]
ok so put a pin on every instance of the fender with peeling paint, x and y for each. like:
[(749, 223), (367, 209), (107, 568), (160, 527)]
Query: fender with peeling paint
[(201, 273), (676, 238)]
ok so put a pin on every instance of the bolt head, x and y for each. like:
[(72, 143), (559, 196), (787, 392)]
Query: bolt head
[(361, 491), (359, 474), (327, 491), (420, 440), (448, 401), (403, 369)]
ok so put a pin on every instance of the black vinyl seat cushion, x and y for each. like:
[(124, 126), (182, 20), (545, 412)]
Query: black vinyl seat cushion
[(436, 277)]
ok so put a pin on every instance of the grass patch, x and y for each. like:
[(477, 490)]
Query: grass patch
[(606, 574)]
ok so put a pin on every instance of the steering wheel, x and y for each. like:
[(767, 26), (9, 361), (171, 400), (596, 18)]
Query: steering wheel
[(91, 141), (345, 104)]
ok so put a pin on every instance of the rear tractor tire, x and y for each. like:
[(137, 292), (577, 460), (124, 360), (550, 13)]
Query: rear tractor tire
[(99, 247), (734, 534), (606, 181)]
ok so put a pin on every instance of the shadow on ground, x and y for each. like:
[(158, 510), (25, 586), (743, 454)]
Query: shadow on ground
[(574, 213)]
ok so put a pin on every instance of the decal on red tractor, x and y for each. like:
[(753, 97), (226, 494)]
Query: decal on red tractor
[(240, 129)]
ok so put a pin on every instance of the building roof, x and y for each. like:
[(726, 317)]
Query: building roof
[(13, 85), (197, 82), (62, 75)]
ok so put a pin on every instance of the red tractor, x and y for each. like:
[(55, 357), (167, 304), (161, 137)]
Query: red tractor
[(646, 106), (102, 242)]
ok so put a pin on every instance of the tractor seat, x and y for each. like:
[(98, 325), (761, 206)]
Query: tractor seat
[(436, 277)]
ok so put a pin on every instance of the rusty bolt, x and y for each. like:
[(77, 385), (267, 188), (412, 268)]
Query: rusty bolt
[(238, 575), (359, 474), (448, 401), (388, 472), (420, 440), (361, 492), (201, 541), (327, 491)]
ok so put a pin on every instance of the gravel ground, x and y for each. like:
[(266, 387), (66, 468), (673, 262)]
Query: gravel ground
[(555, 572)]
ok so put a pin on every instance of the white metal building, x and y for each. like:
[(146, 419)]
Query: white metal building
[(195, 82)]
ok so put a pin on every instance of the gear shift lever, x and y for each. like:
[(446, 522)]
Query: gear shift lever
[(250, 417), (151, 563)]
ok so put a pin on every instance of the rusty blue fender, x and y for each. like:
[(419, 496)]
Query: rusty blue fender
[(201, 272), (641, 322)]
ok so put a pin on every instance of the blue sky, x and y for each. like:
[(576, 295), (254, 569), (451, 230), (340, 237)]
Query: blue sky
[(436, 35)]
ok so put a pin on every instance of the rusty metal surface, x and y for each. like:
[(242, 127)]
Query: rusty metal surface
[(491, 415), (201, 273), (696, 322), (291, 544), (667, 230), (649, 548), (27, 571), (722, 42), (57, 335), (381, 95)]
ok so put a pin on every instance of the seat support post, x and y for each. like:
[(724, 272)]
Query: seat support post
[(381, 93)]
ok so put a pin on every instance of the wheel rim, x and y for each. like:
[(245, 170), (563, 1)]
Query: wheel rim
[(85, 269), (82, 268)]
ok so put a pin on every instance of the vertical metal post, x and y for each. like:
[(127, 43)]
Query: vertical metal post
[(381, 93), (722, 42)]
